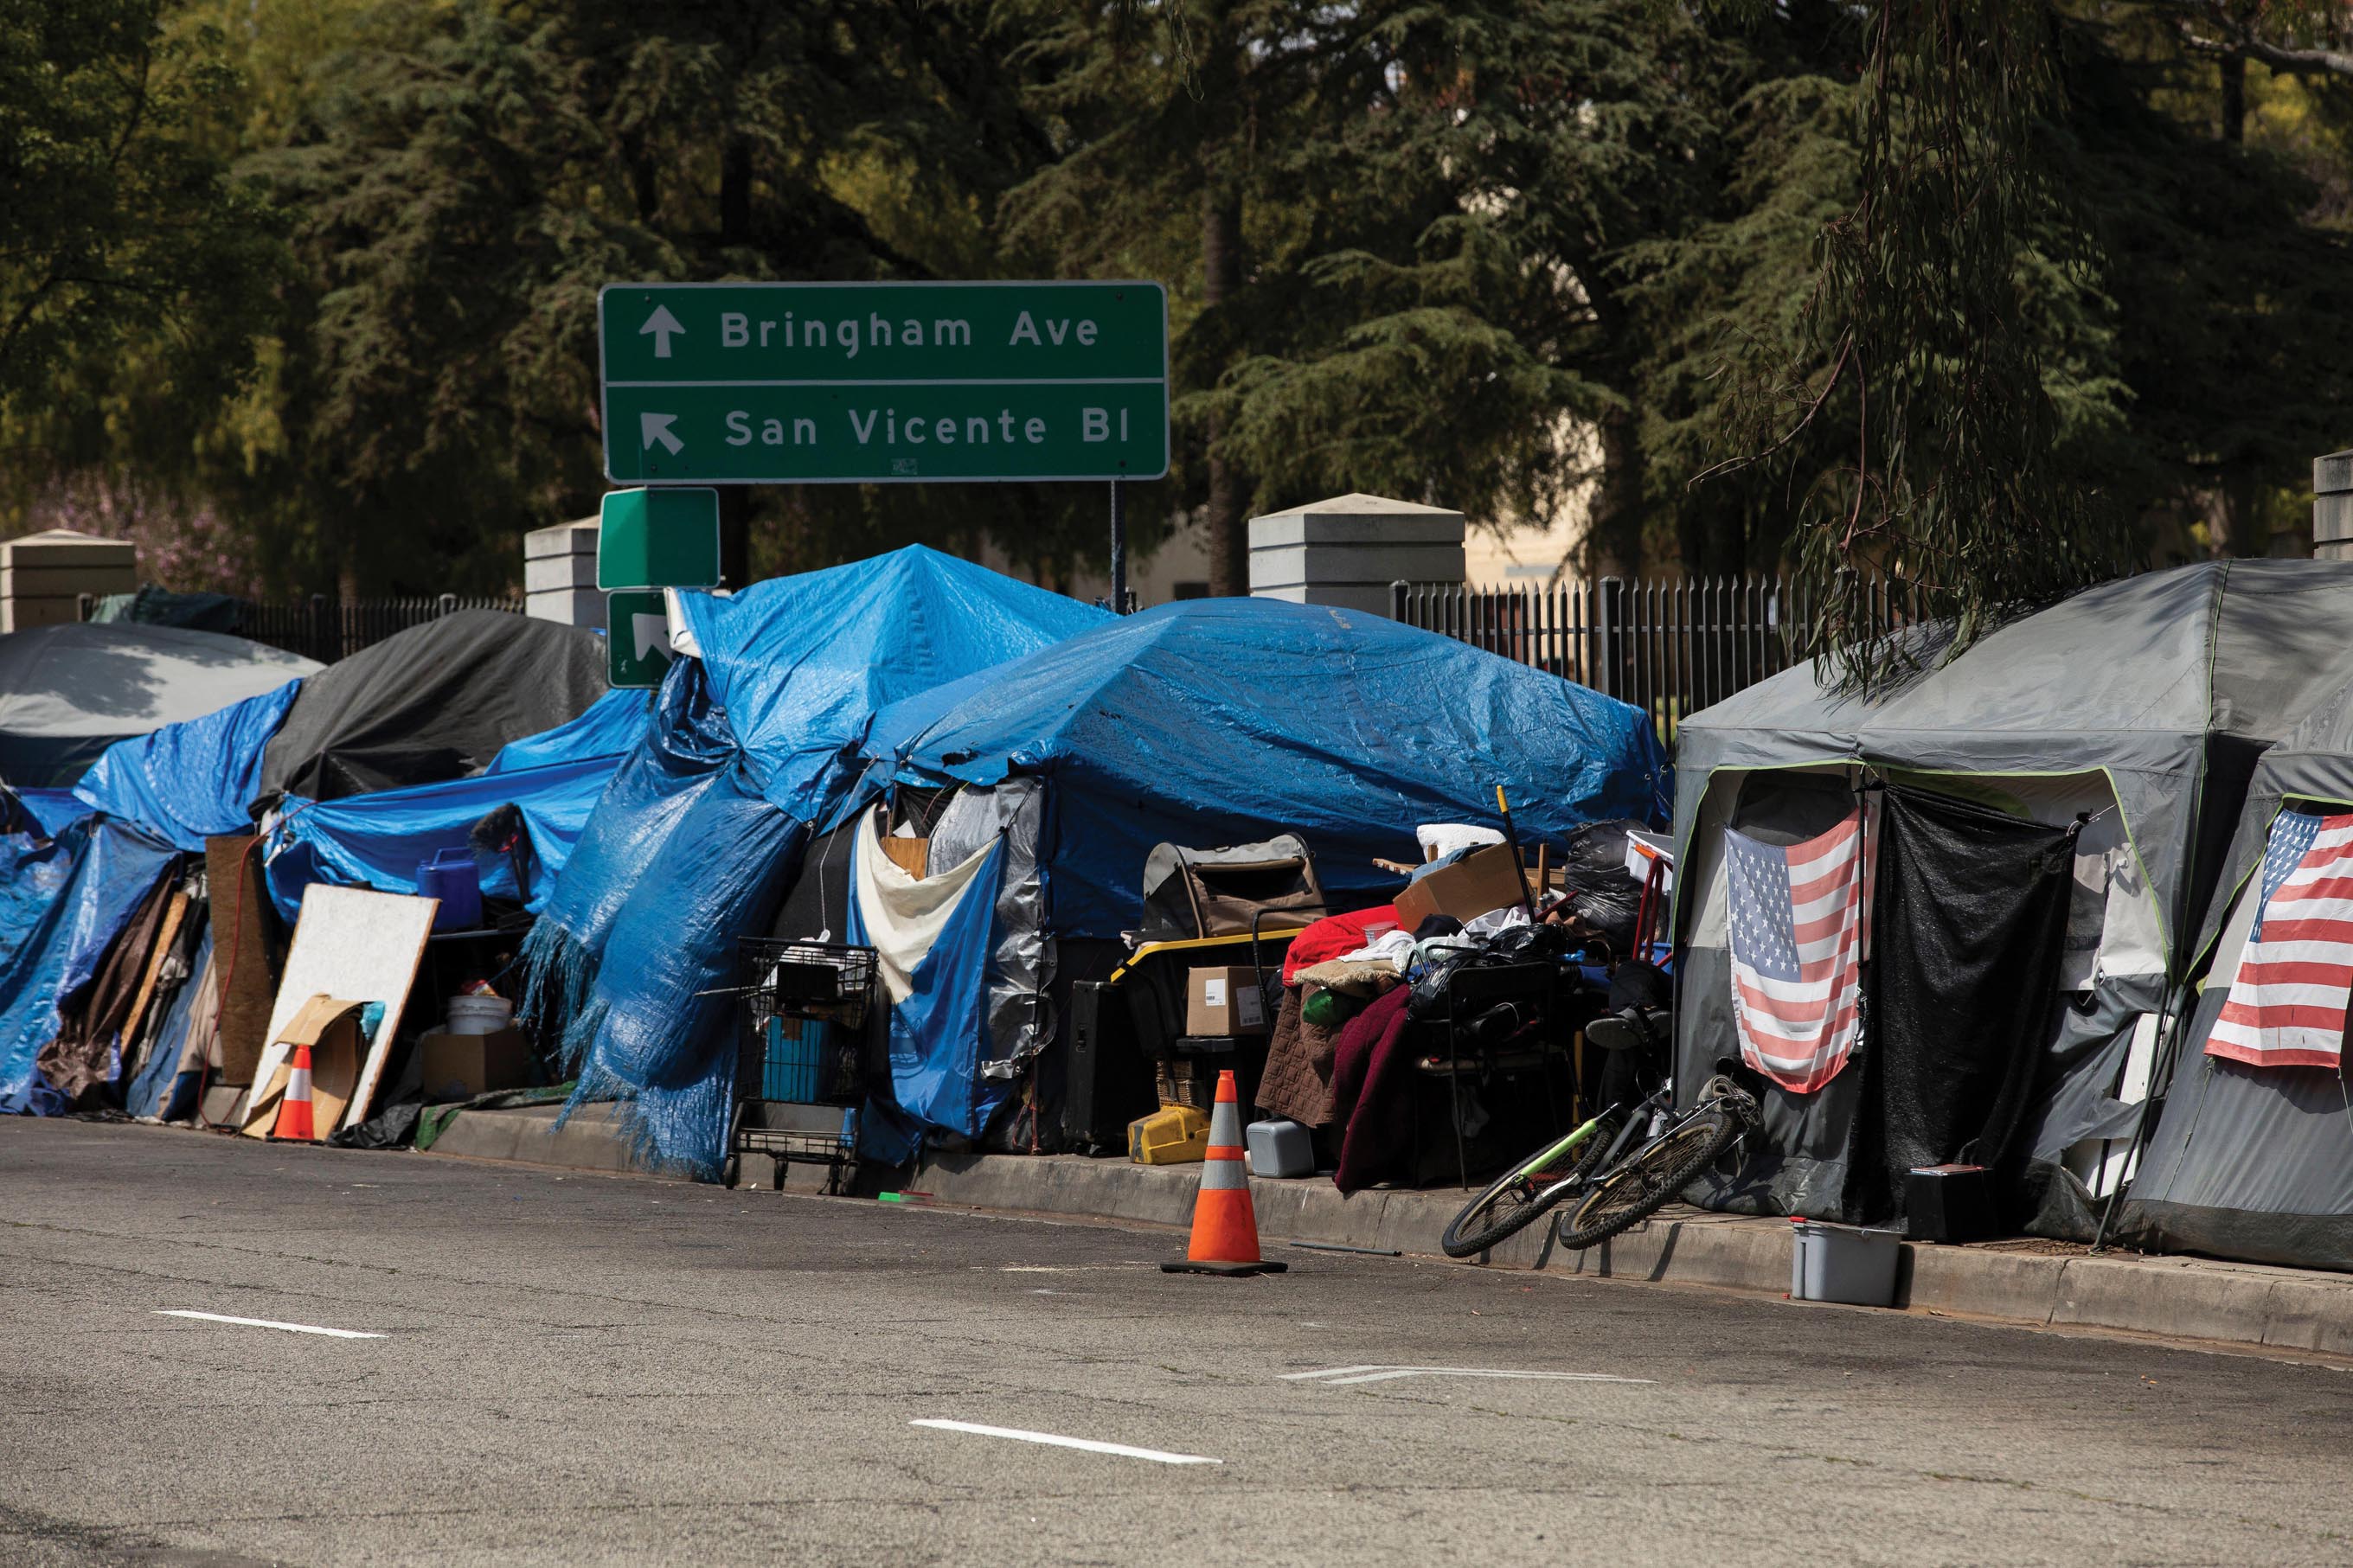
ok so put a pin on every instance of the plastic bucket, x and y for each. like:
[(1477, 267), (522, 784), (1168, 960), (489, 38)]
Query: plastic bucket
[(1843, 1263), (452, 877), (480, 1015)]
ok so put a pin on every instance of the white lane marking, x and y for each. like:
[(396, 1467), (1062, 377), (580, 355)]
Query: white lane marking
[(1055, 1441), (1342, 1376), (267, 1323)]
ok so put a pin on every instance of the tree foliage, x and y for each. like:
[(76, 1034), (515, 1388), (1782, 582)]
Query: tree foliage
[(123, 232), (1993, 294)]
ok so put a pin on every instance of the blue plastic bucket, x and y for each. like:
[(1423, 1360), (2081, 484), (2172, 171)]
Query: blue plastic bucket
[(452, 877)]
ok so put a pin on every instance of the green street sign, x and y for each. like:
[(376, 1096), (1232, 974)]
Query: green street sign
[(884, 383), (658, 539), (637, 639)]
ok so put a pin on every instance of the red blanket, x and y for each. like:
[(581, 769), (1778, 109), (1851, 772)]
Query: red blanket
[(1332, 936), (1372, 1094)]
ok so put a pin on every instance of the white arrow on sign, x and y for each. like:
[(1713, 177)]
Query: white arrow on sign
[(1342, 1376), (661, 324), (650, 632), (653, 427)]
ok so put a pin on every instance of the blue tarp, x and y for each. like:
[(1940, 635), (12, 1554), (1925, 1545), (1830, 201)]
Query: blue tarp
[(378, 840), (1226, 720), (192, 780), (68, 899), (609, 726), (939, 1031), (752, 741), (54, 810), (800, 664)]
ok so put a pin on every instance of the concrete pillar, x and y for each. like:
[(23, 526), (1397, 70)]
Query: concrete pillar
[(2332, 507), (559, 574), (44, 575), (1348, 550)]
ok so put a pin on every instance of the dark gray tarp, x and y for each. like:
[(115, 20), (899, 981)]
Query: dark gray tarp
[(434, 702), (2155, 693), (68, 692), (1967, 929), (2255, 1162)]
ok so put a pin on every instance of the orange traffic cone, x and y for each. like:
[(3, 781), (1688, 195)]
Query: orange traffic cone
[(1224, 1227), (294, 1110)]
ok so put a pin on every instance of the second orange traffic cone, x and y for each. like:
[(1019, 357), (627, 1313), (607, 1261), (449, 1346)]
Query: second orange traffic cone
[(294, 1110), (1225, 1227)]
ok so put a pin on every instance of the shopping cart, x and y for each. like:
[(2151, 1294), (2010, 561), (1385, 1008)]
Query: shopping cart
[(798, 1082)]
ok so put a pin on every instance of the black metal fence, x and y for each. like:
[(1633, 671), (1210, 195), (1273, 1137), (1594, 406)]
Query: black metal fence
[(1668, 647), (321, 628)]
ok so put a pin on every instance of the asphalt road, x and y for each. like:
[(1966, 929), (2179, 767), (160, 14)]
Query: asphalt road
[(583, 1368)]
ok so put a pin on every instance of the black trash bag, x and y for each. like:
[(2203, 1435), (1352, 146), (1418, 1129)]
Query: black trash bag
[(1969, 920), (1595, 881), (393, 1127)]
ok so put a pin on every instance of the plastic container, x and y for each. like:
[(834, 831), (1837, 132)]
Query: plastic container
[(1843, 1263), (1280, 1149), (1441, 838), (1173, 1135), (480, 1015), (452, 877), (796, 1062)]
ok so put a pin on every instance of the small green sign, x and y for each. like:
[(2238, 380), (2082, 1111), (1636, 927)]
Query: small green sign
[(884, 383), (637, 639), (658, 539)]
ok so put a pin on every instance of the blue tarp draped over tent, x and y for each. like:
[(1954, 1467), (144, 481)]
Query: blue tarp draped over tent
[(800, 664), (700, 832), (70, 898), (609, 726), (54, 810), (378, 840), (1222, 721), (189, 781)]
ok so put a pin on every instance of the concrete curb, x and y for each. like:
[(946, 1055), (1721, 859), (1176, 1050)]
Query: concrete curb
[(2228, 1305), (2236, 1305), (591, 1140)]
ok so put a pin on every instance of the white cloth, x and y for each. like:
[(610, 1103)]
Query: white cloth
[(1441, 838), (904, 915), (1397, 947)]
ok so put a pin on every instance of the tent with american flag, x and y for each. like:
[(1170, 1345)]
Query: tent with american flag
[(2132, 714), (2253, 1155)]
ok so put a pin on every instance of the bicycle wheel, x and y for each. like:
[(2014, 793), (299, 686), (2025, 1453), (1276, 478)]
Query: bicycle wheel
[(1644, 1183), (1518, 1199)]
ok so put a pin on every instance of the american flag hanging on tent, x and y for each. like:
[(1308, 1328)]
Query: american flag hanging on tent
[(2286, 1006), (1800, 928)]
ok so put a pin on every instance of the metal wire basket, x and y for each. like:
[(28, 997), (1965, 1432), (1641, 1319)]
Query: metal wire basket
[(807, 979)]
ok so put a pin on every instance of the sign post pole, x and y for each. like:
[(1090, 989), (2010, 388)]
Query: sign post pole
[(1118, 553)]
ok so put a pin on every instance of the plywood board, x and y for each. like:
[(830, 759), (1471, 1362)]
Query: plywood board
[(358, 946), (242, 950), (175, 912)]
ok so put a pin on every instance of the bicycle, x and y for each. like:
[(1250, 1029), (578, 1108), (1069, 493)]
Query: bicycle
[(1626, 1163)]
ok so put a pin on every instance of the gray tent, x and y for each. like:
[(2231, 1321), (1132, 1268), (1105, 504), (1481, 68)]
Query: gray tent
[(2141, 705), (68, 692), (2249, 1161)]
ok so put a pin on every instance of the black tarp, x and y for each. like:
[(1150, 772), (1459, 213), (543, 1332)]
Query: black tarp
[(435, 702), (1968, 928)]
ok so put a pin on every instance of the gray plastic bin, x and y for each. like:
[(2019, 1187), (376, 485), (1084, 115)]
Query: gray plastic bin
[(1843, 1263), (1280, 1149)]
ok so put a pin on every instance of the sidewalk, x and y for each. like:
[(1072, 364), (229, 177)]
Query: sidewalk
[(2238, 1305)]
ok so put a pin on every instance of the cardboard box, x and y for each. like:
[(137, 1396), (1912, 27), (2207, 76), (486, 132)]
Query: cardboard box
[(459, 1066), (1480, 883), (1224, 1002), (332, 1030)]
